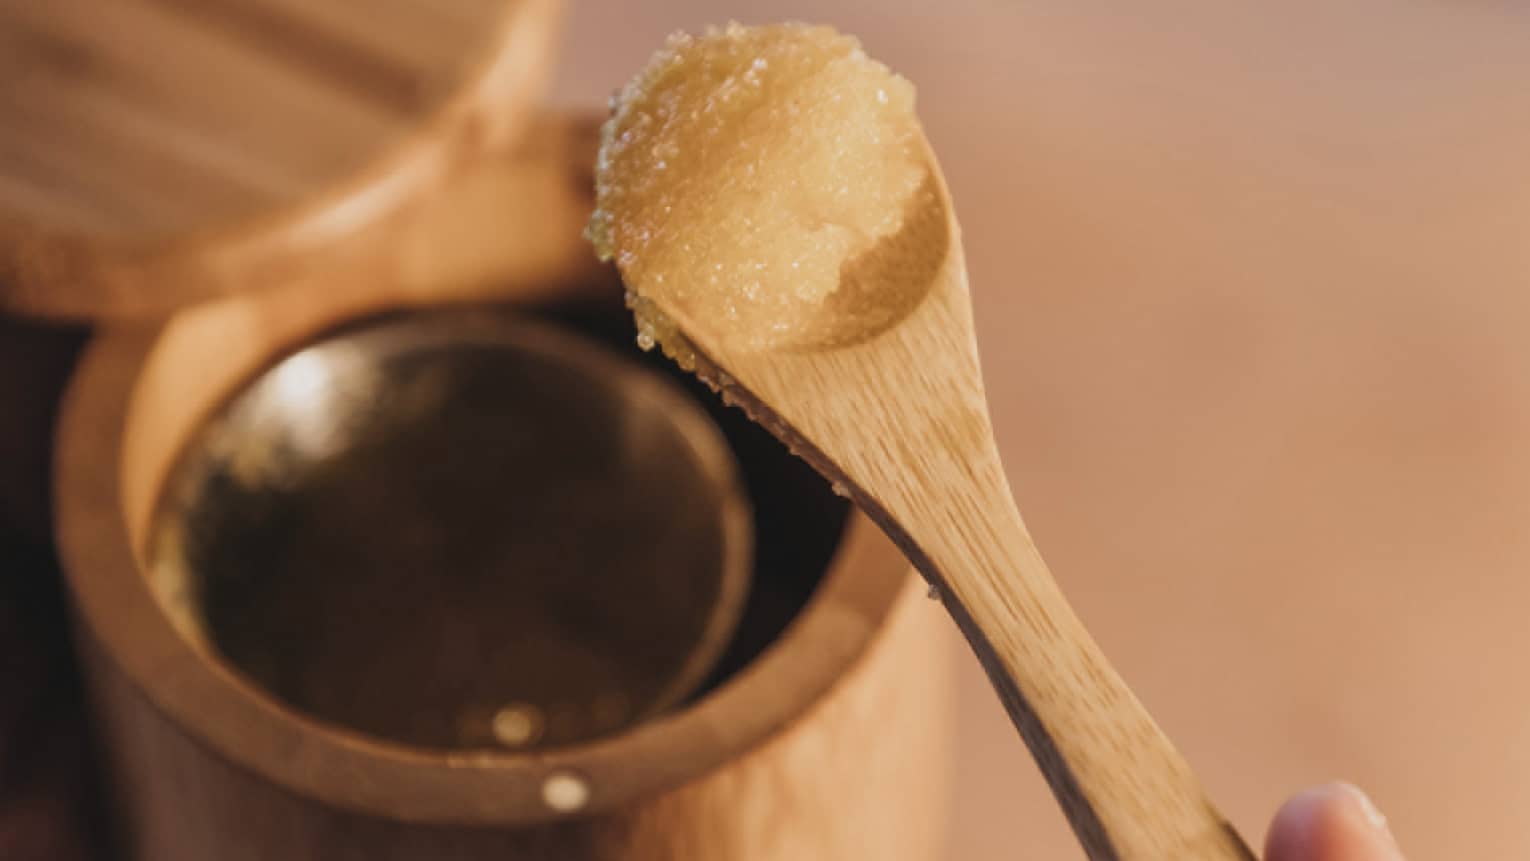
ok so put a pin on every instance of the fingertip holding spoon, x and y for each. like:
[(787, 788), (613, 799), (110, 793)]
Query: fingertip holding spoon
[(785, 232)]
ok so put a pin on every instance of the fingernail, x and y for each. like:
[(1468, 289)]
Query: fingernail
[(1331, 822), (1372, 816)]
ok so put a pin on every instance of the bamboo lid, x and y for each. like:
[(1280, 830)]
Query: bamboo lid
[(159, 152)]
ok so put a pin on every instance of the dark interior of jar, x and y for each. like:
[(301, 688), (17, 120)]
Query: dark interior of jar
[(386, 674)]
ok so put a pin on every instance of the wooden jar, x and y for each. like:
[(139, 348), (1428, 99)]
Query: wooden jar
[(826, 738), (830, 744)]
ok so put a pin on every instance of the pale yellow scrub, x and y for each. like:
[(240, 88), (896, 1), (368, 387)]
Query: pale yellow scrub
[(742, 175)]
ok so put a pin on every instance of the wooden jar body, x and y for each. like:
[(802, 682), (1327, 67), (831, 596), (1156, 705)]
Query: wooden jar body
[(831, 745)]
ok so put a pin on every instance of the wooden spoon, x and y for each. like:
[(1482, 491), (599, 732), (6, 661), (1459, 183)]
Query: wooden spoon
[(900, 424), (879, 387)]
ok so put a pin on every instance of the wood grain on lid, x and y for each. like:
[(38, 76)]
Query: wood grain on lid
[(136, 135), (141, 118)]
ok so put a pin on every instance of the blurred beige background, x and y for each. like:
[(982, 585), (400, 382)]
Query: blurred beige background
[(1253, 286)]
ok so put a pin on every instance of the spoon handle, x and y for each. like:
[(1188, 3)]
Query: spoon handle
[(1127, 792), (913, 449), (1124, 789)]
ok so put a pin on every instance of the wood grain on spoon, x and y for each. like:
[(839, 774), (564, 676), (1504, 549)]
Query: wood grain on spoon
[(843, 323)]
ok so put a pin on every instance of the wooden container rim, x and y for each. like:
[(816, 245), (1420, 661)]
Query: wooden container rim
[(347, 771), (55, 275)]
